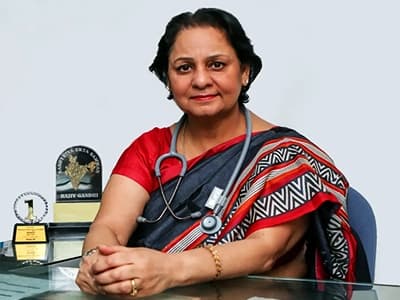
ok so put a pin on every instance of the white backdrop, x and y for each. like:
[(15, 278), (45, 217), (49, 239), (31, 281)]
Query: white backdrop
[(74, 72)]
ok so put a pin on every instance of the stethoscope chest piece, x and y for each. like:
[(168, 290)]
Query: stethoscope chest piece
[(211, 224)]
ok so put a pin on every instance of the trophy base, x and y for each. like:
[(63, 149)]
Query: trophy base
[(30, 233), (30, 242)]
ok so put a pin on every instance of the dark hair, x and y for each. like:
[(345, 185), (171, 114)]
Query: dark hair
[(218, 19)]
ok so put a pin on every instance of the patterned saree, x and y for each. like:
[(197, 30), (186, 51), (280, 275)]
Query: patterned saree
[(284, 177)]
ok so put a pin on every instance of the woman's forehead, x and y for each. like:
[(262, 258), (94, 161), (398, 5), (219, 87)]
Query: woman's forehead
[(196, 39)]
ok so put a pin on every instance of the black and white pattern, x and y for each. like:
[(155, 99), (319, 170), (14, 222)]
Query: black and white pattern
[(284, 175), (290, 196)]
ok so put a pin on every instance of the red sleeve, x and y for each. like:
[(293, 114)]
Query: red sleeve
[(138, 160)]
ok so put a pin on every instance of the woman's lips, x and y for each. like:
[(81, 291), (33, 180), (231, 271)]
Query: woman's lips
[(203, 97)]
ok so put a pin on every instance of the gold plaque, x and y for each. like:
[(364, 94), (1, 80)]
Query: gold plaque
[(30, 233)]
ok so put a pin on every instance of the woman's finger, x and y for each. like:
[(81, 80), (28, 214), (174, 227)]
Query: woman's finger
[(124, 272), (125, 287), (107, 250), (86, 283), (117, 259)]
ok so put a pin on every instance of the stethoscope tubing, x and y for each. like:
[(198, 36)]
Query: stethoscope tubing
[(215, 217), (239, 164)]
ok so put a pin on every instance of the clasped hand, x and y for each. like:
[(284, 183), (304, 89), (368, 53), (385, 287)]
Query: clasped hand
[(112, 268)]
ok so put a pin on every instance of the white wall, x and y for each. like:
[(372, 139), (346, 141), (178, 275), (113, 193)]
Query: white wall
[(75, 72)]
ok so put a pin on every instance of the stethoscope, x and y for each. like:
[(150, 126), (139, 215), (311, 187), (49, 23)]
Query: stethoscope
[(210, 223)]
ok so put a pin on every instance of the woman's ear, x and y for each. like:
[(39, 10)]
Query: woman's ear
[(245, 74), (166, 82)]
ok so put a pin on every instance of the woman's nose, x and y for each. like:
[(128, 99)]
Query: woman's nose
[(201, 78)]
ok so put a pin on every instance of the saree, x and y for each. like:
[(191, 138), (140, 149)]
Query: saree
[(284, 176)]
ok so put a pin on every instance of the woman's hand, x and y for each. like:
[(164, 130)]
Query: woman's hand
[(85, 279), (151, 271)]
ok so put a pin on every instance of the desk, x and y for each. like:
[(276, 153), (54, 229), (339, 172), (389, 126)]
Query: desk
[(56, 281)]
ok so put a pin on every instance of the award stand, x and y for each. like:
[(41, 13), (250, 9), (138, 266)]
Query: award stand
[(78, 185), (30, 238), (78, 195)]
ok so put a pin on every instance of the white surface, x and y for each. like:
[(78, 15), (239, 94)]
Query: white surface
[(75, 73)]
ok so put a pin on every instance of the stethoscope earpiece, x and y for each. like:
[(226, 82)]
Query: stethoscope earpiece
[(210, 224)]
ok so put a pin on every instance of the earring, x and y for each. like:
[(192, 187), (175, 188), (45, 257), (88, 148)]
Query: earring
[(246, 82), (170, 96)]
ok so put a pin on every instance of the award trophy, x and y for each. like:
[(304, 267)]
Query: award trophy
[(78, 185), (30, 238), (78, 195)]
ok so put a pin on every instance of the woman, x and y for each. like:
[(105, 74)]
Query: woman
[(282, 216)]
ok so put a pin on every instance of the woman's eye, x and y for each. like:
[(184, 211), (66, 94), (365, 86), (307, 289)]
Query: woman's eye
[(183, 68), (217, 65)]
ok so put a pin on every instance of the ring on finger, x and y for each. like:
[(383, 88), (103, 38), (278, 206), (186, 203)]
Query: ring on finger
[(134, 288)]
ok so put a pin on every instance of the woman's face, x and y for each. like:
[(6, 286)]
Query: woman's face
[(204, 73)]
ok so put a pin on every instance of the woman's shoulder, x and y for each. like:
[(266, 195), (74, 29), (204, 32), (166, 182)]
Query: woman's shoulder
[(261, 125), (155, 139), (278, 132), (287, 132), (281, 137), (156, 135)]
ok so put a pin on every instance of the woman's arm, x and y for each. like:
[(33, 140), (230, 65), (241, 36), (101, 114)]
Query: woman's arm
[(122, 202), (154, 271), (258, 253)]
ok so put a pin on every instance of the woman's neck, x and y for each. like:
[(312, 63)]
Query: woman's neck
[(196, 137)]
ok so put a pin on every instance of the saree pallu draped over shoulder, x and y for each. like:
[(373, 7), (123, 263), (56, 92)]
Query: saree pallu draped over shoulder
[(284, 177)]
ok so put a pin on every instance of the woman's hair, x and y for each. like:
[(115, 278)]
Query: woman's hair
[(218, 19)]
